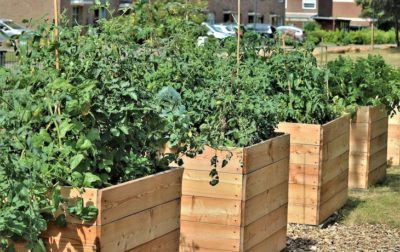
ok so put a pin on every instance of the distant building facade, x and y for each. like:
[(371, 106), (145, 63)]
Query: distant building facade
[(77, 11), (333, 13), (261, 11)]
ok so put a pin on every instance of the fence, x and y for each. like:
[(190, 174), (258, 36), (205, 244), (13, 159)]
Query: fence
[(7, 58)]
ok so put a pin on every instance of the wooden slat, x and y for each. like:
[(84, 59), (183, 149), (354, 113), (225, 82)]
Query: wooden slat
[(197, 183), (211, 210), (358, 162), (395, 120), (334, 167), (332, 205), (377, 175), (359, 146), (379, 127), (74, 234), (377, 113), (394, 141), (301, 133), (202, 236), (62, 246), (202, 161), (275, 243), (132, 197), (193, 248), (264, 203), (303, 194), (336, 128), (334, 186), (363, 115), (304, 154), (303, 174), (379, 143), (264, 227), (140, 228), (263, 154), (358, 180), (165, 243), (263, 179), (304, 214), (359, 131), (378, 159), (336, 147)]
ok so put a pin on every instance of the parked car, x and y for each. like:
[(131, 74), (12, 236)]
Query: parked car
[(265, 30), (217, 31), (292, 31), (11, 29), (227, 29)]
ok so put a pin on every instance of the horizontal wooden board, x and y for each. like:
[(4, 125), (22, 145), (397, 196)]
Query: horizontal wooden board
[(305, 154), (379, 127), (263, 154), (336, 128), (166, 243), (303, 174), (335, 147), (377, 175), (140, 228), (378, 159), (358, 162), (274, 243), (395, 120), (211, 210), (303, 194), (377, 113), (332, 205), (264, 203), (359, 131), (200, 236), (202, 161), (362, 115), (394, 131), (334, 186), (76, 235), (301, 133), (303, 214), (197, 183), (379, 143), (266, 178), (334, 167), (359, 146), (132, 197), (66, 246), (264, 227)]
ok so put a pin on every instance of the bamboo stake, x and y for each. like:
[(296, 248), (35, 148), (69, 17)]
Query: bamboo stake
[(55, 3), (238, 39)]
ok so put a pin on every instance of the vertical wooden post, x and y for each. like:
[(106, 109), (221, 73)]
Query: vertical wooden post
[(372, 34), (55, 3), (238, 39)]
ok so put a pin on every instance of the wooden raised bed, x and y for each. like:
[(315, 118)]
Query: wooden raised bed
[(368, 147), (318, 170), (394, 140), (139, 216), (247, 210)]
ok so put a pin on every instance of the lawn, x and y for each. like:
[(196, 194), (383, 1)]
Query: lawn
[(391, 56), (379, 204)]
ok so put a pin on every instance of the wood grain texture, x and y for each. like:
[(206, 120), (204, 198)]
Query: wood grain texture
[(166, 243), (301, 133), (394, 140)]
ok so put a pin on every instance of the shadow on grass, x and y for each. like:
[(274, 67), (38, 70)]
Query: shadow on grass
[(351, 204)]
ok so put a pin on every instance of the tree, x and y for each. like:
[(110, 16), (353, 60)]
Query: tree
[(387, 10)]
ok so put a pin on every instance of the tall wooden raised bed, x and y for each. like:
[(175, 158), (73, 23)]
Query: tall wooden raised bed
[(247, 210), (394, 140), (368, 147), (140, 215), (318, 170)]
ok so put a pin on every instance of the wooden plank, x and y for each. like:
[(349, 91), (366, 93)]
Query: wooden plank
[(303, 174), (66, 246), (379, 127), (336, 128), (275, 243), (377, 113), (264, 227), (359, 146), (336, 147), (140, 228), (132, 197), (332, 205), (358, 162), (211, 210), (377, 175), (358, 180), (379, 143), (263, 179), (202, 161), (263, 154), (303, 214), (334, 167), (301, 133), (303, 195), (362, 115), (200, 236), (359, 131), (334, 186), (378, 159), (264, 203), (165, 243), (197, 183), (395, 120), (304, 154)]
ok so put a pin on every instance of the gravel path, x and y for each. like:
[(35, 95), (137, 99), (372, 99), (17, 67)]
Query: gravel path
[(340, 237)]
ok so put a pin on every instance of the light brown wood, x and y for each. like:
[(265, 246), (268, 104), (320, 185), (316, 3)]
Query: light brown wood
[(318, 168), (166, 243), (276, 242), (220, 218), (368, 146), (394, 140)]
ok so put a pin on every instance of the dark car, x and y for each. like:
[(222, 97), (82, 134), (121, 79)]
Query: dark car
[(266, 30)]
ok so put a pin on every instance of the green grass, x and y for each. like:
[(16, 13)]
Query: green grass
[(379, 204), (391, 56)]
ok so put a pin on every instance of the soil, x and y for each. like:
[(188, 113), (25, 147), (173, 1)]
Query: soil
[(342, 237)]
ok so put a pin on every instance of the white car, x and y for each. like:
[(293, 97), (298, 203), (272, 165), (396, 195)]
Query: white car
[(224, 29), (292, 31), (11, 29), (216, 31)]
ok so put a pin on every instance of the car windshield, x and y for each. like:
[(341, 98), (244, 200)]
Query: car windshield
[(217, 28), (12, 25)]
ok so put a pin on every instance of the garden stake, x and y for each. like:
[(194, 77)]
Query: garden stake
[(55, 3)]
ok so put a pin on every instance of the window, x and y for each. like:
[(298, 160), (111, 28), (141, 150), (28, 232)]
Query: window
[(229, 17), (76, 15), (259, 19), (309, 4)]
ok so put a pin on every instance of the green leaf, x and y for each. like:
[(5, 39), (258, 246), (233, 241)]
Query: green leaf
[(90, 179), (76, 160)]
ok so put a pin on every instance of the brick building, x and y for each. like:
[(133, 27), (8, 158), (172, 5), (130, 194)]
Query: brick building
[(77, 11), (264, 11), (333, 12)]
